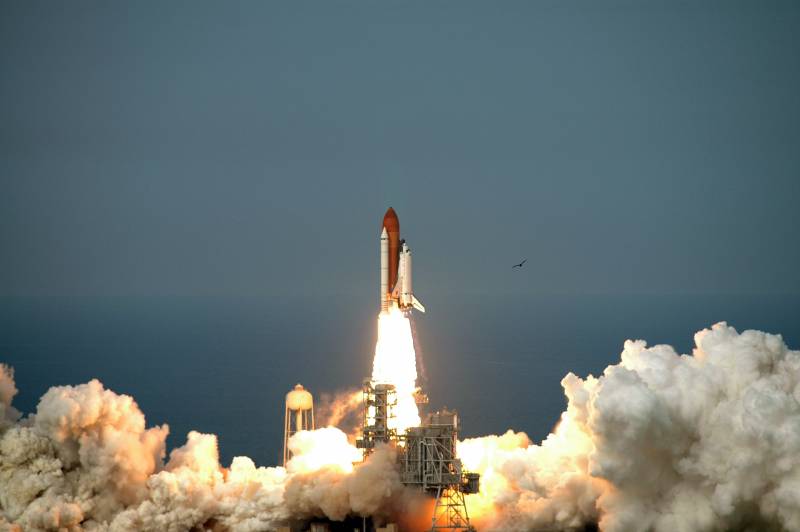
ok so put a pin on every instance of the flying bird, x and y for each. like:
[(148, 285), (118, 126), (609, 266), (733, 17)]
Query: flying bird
[(520, 264)]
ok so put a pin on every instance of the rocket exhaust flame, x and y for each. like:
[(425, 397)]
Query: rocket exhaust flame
[(395, 363)]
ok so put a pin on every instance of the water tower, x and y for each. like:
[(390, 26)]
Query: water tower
[(299, 416)]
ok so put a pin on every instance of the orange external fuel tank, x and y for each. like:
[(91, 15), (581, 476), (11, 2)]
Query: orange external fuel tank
[(392, 226)]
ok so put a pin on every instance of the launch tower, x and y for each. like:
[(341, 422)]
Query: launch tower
[(426, 454), (430, 463), (379, 402)]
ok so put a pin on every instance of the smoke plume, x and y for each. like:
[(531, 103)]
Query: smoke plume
[(660, 441), (343, 410), (85, 461)]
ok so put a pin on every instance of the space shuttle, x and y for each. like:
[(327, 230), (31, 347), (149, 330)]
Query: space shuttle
[(396, 288)]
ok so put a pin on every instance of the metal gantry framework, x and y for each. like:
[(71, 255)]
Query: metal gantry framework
[(429, 459), (427, 456), (431, 464), (379, 403), (450, 511)]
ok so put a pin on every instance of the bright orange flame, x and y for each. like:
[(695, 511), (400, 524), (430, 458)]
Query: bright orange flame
[(396, 363)]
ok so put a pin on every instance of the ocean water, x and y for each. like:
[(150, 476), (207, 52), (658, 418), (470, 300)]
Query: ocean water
[(223, 365)]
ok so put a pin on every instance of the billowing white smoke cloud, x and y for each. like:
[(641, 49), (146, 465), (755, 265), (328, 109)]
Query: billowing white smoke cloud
[(84, 456), (661, 442), (370, 490), (85, 461), (194, 490)]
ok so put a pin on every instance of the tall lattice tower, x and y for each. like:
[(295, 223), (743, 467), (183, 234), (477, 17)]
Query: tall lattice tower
[(430, 463), (427, 456), (299, 416)]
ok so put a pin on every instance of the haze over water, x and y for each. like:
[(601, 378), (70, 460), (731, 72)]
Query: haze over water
[(224, 365)]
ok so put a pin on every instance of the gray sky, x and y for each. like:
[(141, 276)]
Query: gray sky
[(151, 148)]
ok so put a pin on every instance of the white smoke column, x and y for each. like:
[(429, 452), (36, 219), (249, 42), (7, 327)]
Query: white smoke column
[(659, 442), (395, 363)]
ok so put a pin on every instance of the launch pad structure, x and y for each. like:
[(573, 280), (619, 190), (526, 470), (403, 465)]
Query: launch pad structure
[(426, 455)]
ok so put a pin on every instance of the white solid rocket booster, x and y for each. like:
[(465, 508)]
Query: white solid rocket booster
[(384, 271), (405, 268)]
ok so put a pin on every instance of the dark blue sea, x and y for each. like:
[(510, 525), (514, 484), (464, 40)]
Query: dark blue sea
[(224, 365)]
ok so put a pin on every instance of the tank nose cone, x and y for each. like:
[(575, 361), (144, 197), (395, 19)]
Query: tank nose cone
[(390, 221)]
